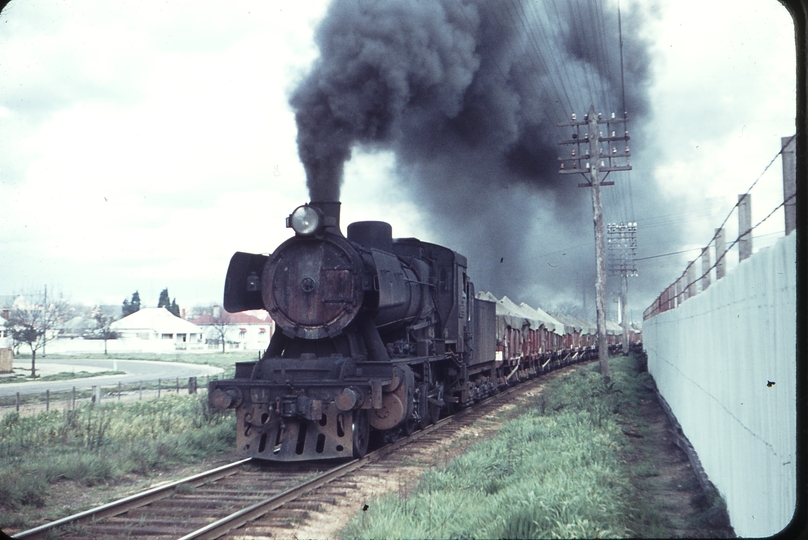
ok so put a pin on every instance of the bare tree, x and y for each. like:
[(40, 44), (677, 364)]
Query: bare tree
[(220, 323), (102, 329), (34, 320)]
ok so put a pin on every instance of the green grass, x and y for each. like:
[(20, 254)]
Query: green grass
[(555, 472), (96, 445)]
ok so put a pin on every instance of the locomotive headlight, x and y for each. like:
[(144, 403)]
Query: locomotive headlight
[(305, 220)]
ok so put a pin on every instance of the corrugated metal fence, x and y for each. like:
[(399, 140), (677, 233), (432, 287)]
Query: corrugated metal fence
[(725, 361)]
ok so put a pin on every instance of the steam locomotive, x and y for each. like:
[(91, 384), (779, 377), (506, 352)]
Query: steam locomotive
[(373, 333)]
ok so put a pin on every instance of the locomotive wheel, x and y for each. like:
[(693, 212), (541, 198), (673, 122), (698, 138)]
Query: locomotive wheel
[(361, 433)]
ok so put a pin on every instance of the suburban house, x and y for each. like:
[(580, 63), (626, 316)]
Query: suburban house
[(158, 330), (246, 330)]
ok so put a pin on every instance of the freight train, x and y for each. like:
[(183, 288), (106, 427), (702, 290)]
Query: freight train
[(373, 335)]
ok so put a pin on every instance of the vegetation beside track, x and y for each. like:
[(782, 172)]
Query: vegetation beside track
[(567, 468), (96, 445)]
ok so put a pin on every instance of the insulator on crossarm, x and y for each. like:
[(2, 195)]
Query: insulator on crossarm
[(600, 116), (600, 134), (562, 166), (586, 136), (626, 133), (602, 163), (612, 133), (612, 115), (587, 164), (601, 151), (575, 165), (573, 153), (574, 117), (586, 117), (628, 163), (628, 151), (614, 150), (586, 155)]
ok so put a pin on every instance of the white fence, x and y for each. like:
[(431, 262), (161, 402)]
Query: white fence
[(725, 361)]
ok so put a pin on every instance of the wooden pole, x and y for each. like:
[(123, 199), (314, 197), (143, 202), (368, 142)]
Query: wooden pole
[(600, 244)]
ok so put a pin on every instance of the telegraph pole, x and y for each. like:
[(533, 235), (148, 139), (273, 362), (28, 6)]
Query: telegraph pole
[(590, 165)]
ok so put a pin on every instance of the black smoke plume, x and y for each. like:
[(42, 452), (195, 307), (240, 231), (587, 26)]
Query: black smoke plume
[(468, 94)]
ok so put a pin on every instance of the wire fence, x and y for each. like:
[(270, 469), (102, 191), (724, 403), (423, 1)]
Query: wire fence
[(689, 283), (32, 403)]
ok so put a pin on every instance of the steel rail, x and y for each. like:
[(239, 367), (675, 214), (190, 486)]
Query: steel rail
[(133, 501), (257, 510)]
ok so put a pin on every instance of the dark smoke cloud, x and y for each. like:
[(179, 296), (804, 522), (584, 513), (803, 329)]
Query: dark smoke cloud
[(468, 94)]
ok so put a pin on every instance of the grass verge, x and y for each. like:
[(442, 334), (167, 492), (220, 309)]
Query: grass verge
[(96, 445), (558, 471)]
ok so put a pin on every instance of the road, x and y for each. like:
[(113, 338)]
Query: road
[(136, 371)]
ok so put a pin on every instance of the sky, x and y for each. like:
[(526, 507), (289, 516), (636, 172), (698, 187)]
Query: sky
[(142, 145)]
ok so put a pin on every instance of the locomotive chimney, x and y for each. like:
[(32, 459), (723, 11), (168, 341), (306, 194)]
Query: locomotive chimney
[(330, 210)]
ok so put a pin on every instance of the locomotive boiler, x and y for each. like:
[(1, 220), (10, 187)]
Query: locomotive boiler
[(373, 333)]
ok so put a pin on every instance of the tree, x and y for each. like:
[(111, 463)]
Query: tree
[(131, 307), (220, 323), (102, 329), (36, 323), (174, 308), (165, 300)]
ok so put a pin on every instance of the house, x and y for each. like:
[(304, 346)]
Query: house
[(246, 330), (158, 330)]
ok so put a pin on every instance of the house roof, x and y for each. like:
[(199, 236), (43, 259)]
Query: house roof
[(160, 320)]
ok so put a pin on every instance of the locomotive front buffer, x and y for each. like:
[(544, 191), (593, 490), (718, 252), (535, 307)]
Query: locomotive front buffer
[(313, 408)]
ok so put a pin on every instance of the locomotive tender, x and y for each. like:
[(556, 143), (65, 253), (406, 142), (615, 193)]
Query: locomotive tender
[(372, 333)]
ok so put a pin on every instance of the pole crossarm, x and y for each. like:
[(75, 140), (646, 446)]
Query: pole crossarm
[(582, 160)]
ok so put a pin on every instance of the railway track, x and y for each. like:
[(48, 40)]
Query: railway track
[(255, 498)]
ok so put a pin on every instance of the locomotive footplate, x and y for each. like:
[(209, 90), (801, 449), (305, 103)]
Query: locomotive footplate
[(303, 409)]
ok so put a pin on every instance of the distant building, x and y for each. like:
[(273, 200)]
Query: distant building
[(158, 330), (247, 330)]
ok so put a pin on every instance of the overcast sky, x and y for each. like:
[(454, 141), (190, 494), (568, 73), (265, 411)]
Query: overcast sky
[(141, 145)]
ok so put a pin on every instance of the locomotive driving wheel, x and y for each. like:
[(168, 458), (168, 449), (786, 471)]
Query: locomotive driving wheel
[(360, 433)]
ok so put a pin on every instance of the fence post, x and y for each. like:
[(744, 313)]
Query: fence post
[(119, 390), (720, 254), (140, 390), (691, 279), (744, 226), (789, 146), (18, 402), (178, 386), (47, 400), (705, 268), (73, 406), (158, 387), (192, 385)]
